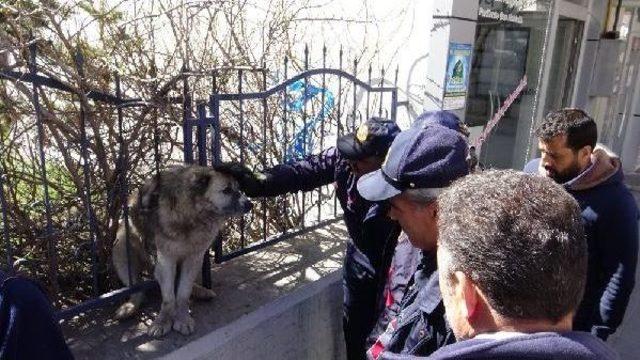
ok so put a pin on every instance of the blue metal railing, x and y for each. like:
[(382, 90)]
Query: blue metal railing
[(210, 145)]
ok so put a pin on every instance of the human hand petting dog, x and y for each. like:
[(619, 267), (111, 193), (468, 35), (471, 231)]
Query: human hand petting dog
[(252, 183)]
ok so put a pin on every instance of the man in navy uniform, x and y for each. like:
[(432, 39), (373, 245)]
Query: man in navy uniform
[(421, 162), (372, 234), (512, 258)]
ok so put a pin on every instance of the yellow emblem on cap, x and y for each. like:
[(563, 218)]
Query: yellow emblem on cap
[(363, 133)]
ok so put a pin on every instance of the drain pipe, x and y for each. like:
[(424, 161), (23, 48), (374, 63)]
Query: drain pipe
[(613, 33), (617, 18)]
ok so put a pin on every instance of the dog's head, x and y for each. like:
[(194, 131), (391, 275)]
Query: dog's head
[(216, 192), (194, 191)]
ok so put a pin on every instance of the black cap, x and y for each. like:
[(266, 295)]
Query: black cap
[(373, 138)]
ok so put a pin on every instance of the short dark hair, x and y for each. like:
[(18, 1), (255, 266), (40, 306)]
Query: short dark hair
[(579, 127), (519, 237)]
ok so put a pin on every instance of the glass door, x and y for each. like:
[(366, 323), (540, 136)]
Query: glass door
[(566, 51)]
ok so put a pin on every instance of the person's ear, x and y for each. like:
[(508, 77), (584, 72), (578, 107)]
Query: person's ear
[(467, 292), (434, 209), (584, 155)]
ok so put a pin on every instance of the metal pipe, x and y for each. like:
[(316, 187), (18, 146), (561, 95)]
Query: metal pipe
[(617, 18)]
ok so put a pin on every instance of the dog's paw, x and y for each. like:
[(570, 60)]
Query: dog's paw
[(126, 310), (185, 324), (160, 326), (202, 293)]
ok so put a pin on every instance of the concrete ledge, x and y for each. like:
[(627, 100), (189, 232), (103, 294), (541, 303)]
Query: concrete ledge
[(306, 324), (266, 281)]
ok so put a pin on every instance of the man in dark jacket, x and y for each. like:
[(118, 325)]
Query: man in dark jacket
[(593, 175), (372, 235), (421, 161), (28, 329), (512, 258)]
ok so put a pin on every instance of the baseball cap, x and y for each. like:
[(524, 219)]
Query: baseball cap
[(372, 138), (443, 118), (432, 156)]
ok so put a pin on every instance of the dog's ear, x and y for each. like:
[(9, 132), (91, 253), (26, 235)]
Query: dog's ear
[(149, 193), (200, 183)]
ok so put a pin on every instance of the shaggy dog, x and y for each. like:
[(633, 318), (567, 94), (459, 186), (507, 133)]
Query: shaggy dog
[(173, 219)]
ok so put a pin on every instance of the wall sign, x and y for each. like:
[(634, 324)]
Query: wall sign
[(503, 10), (457, 80)]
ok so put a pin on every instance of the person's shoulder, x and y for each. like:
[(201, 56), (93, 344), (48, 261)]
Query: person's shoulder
[(572, 346), (587, 343), (616, 199)]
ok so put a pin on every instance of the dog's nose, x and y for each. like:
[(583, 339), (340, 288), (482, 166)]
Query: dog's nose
[(247, 206)]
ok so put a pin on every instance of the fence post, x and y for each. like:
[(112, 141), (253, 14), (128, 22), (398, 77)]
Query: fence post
[(201, 134), (369, 71), (214, 104), (355, 90), (323, 118), (5, 225), (285, 199), (304, 124), (49, 233), (202, 161), (339, 129), (242, 145), (264, 148), (79, 62), (186, 114), (217, 159), (154, 114), (123, 183)]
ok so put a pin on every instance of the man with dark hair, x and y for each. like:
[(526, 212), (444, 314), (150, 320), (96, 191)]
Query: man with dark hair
[(373, 235), (593, 175), (512, 259), (421, 161)]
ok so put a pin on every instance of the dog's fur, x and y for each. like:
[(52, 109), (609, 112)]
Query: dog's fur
[(173, 219)]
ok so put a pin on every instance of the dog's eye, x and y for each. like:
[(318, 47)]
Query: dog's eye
[(203, 181), (228, 190)]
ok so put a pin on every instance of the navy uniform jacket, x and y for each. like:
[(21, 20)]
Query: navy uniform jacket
[(371, 231), (421, 328), (537, 346)]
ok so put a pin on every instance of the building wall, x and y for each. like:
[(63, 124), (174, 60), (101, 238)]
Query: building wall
[(568, 65)]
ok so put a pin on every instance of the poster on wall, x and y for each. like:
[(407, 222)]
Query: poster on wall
[(457, 81)]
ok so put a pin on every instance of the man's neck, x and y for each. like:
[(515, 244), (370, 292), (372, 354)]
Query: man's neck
[(520, 326)]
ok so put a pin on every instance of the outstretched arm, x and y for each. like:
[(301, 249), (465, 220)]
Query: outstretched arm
[(303, 175)]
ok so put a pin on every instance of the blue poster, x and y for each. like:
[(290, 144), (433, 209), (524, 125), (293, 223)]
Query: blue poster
[(457, 80)]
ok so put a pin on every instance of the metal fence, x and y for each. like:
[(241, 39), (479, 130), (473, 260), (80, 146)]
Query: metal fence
[(257, 125)]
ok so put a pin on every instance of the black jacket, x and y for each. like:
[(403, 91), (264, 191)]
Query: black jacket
[(420, 328), (372, 232)]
